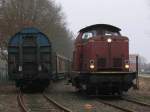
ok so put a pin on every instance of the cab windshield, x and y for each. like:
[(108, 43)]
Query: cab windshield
[(110, 33), (93, 33)]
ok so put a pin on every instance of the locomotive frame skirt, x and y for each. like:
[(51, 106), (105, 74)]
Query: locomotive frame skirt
[(104, 82)]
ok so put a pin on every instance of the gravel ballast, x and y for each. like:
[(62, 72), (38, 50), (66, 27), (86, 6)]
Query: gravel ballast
[(68, 97)]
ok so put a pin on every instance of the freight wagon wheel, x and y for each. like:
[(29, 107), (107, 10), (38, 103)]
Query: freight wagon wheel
[(90, 90), (22, 88), (79, 89), (51, 86), (120, 93), (17, 84)]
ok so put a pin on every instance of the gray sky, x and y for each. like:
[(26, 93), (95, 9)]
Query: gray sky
[(132, 16)]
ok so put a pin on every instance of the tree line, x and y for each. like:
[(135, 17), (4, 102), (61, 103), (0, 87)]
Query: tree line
[(45, 15)]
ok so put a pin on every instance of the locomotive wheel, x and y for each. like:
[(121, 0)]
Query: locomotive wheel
[(90, 90)]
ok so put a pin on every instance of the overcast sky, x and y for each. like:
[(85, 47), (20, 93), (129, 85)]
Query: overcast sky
[(132, 16)]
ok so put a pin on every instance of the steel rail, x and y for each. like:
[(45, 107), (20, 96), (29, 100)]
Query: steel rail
[(115, 106), (135, 101), (64, 109), (21, 102)]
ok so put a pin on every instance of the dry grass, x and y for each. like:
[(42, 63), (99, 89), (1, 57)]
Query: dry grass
[(8, 98), (143, 93), (7, 89), (144, 87)]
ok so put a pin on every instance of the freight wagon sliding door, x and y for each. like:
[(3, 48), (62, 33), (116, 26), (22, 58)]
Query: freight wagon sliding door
[(29, 55)]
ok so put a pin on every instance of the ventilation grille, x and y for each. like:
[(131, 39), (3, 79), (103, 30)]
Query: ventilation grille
[(101, 62), (117, 62)]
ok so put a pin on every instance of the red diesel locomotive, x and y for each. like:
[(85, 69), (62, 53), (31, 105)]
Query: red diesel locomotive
[(101, 61)]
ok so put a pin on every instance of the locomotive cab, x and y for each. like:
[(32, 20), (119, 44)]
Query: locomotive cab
[(101, 55), (104, 49)]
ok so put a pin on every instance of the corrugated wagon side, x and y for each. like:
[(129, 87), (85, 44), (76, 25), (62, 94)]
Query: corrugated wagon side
[(61, 66)]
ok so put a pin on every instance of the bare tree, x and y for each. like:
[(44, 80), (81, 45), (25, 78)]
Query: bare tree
[(42, 14), (142, 63)]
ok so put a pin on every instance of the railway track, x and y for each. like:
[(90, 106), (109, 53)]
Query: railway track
[(135, 101), (144, 75), (39, 103), (127, 105), (21, 102)]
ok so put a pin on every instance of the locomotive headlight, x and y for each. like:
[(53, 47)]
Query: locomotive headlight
[(92, 66), (109, 40), (127, 66)]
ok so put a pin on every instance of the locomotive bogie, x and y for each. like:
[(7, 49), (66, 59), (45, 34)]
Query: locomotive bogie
[(104, 82)]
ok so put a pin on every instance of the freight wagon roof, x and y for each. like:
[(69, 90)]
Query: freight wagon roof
[(103, 26), (42, 39), (30, 30)]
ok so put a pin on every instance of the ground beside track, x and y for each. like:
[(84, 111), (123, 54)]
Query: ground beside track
[(144, 75), (66, 95), (143, 94), (8, 98)]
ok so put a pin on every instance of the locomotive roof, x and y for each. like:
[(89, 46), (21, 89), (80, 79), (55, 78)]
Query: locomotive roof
[(103, 26)]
